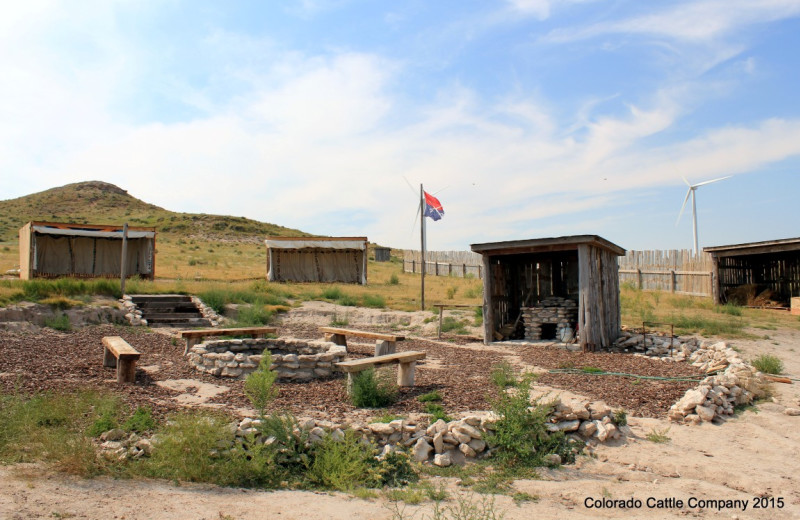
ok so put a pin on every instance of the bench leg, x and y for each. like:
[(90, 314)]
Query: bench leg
[(384, 347), (350, 376), (405, 374), (126, 371), (190, 342), (339, 339), (109, 360)]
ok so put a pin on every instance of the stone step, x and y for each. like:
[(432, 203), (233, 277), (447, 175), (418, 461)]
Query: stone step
[(166, 306), (182, 323), (170, 315), (175, 298)]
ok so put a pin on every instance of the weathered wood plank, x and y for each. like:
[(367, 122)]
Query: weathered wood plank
[(362, 334), (358, 365)]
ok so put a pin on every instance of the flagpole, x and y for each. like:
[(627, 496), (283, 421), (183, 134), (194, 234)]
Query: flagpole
[(422, 245)]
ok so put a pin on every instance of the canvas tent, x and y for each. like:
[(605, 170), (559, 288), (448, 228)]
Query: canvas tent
[(50, 249), (329, 259)]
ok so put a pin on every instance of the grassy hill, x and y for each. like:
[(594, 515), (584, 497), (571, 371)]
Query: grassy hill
[(189, 245)]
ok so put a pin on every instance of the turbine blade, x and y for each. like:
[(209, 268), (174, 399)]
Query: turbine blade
[(684, 206), (687, 182), (409, 185), (712, 180), (416, 214)]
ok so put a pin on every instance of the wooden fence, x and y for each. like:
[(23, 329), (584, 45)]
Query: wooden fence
[(678, 271), (444, 263)]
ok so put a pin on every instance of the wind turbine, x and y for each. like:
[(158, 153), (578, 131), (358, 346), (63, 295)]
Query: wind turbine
[(691, 191)]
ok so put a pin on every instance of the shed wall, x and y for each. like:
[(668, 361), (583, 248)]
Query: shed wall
[(598, 305)]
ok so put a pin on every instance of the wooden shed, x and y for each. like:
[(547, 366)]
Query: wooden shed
[(317, 259), (773, 265), (534, 288), (52, 249), (383, 254)]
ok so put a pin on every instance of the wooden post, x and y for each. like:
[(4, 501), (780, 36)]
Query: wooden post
[(441, 313), (405, 374), (673, 281), (123, 264), (383, 347), (464, 266), (488, 311), (639, 277)]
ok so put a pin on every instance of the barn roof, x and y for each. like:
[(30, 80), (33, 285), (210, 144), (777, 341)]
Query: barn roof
[(755, 248), (539, 245)]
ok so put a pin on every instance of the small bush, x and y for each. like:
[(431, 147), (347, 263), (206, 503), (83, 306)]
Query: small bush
[(450, 324), (344, 464), (728, 308), (332, 293), (451, 292), (394, 279), (58, 323), (620, 417), (371, 390), (255, 315), (768, 364), (259, 386)]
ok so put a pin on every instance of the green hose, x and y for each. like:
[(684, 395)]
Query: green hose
[(578, 371)]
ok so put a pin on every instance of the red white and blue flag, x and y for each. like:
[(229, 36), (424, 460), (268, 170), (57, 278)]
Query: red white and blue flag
[(433, 208)]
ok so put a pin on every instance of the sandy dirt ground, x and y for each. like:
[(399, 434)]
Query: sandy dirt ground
[(746, 467)]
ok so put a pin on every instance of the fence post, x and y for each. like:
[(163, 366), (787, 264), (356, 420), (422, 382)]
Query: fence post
[(449, 269), (639, 277), (437, 267), (673, 281), (480, 269), (464, 267), (413, 266)]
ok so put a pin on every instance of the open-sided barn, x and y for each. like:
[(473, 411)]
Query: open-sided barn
[(542, 288), (319, 259), (772, 265), (51, 249)]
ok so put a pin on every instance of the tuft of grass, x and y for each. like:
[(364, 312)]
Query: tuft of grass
[(141, 421), (620, 417), (344, 464), (658, 436), (728, 308), (437, 412), (451, 324), (768, 364), (394, 279), (374, 301), (372, 390), (60, 322), (430, 397), (503, 375), (255, 315)]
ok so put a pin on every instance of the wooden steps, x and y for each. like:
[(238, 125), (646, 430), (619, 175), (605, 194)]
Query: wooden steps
[(169, 310)]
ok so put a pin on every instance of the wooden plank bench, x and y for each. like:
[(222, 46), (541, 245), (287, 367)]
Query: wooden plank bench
[(384, 343), (193, 337), (406, 360), (118, 353)]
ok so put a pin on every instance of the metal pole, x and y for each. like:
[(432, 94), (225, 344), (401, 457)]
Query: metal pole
[(122, 269), (694, 220), (422, 245)]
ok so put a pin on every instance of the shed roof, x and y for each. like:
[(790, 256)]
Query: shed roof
[(90, 230), (755, 248), (359, 243), (541, 245)]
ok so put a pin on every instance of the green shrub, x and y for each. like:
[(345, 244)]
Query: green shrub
[(58, 323), (450, 324), (451, 292), (658, 436), (768, 364), (520, 437), (332, 293), (620, 417), (371, 390), (728, 308), (344, 464), (259, 386), (255, 315), (394, 279)]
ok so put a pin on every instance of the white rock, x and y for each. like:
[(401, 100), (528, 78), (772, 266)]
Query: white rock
[(553, 459), (792, 411), (467, 450), (587, 428), (466, 429), (442, 460), (422, 450), (705, 413), (381, 429), (438, 443)]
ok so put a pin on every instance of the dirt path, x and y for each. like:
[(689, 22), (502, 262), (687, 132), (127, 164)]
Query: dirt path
[(745, 459)]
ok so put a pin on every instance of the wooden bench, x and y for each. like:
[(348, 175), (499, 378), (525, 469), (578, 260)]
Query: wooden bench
[(406, 360), (118, 353), (384, 343), (193, 337)]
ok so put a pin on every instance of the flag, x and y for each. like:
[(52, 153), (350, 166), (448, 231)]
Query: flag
[(433, 208)]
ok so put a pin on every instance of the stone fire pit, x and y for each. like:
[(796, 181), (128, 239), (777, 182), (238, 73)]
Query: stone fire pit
[(293, 359)]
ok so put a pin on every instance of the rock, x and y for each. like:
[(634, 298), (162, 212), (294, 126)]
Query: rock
[(381, 429), (442, 460), (705, 413), (602, 431), (587, 428), (472, 420), (115, 434), (478, 445), (146, 446), (422, 450), (438, 443), (692, 398), (794, 412), (461, 437), (467, 450), (599, 409), (438, 426), (466, 429), (553, 459)]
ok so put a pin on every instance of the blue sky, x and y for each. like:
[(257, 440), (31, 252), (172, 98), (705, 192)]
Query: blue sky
[(527, 118)]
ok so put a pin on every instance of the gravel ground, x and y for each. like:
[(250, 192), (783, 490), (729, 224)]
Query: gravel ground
[(55, 361)]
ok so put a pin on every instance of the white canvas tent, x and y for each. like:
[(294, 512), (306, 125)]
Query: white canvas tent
[(329, 259), (50, 249)]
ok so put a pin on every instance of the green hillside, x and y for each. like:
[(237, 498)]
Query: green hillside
[(189, 245), (96, 202)]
